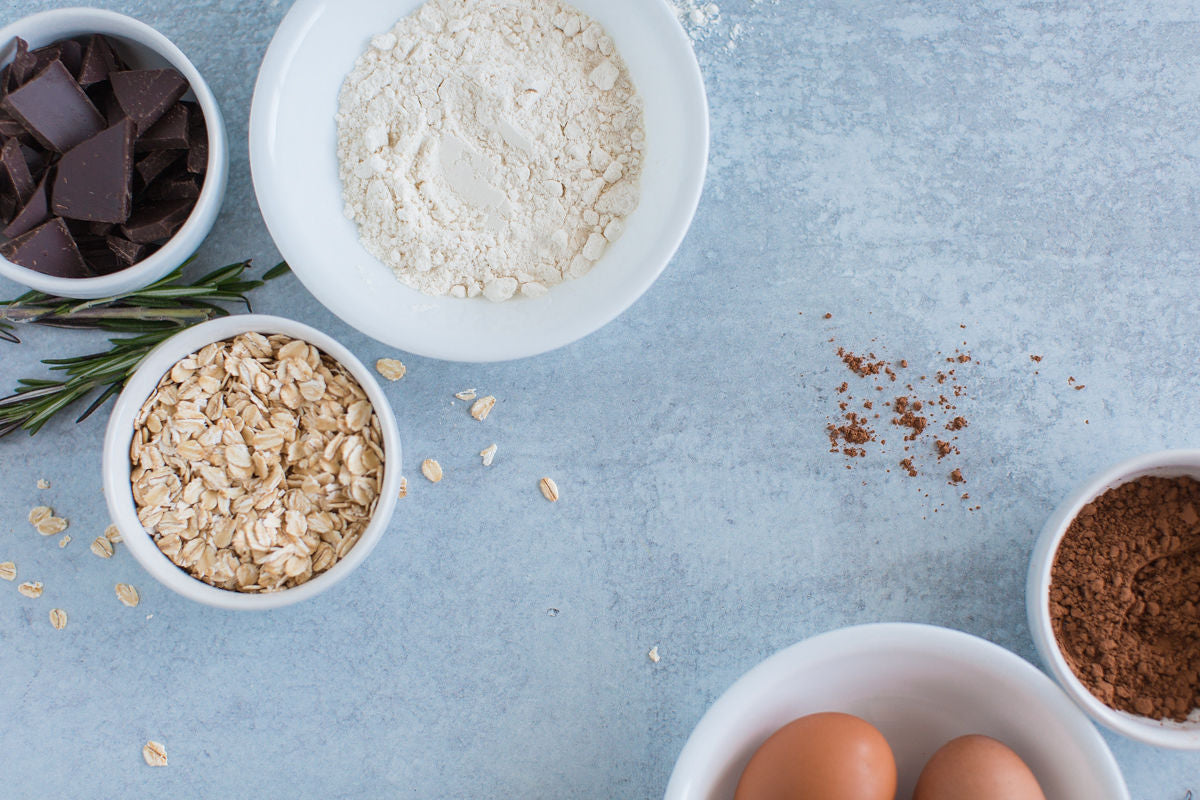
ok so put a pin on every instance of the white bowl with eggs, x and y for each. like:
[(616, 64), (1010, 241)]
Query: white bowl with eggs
[(145, 48), (1158, 732), (921, 686), (293, 153), (116, 466)]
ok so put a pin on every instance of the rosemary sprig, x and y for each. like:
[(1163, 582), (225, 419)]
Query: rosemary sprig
[(154, 313)]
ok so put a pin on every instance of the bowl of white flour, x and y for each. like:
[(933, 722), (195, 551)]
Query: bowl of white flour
[(479, 180)]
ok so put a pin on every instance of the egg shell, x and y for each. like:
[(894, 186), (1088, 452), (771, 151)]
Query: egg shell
[(830, 756), (978, 767)]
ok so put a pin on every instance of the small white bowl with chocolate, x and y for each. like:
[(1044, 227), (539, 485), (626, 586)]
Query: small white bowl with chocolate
[(1113, 598), (113, 155), (251, 462)]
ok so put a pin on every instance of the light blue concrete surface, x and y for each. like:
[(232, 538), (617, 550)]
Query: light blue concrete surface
[(1026, 170)]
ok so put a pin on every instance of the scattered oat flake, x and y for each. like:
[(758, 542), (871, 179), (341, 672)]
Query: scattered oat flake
[(549, 489), (51, 526), (468, 394), (155, 754), (403, 488), (64, 541), (31, 589), (58, 618), (488, 453), (390, 368), (112, 534), (102, 547), (653, 655), (43, 483), (128, 595), (8, 571), (482, 407), (431, 470), (40, 514)]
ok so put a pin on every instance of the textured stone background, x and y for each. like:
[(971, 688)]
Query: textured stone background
[(1028, 171)]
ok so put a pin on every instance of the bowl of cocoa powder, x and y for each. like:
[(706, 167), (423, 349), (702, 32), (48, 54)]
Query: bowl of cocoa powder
[(1113, 598)]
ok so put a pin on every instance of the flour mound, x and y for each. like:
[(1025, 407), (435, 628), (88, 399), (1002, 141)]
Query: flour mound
[(490, 147)]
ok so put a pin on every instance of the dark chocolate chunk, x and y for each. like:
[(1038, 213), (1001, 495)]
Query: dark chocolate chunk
[(125, 250), (24, 65), (157, 222), (146, 94), (99, 228), (99, 59), (155, 163), (15, 176), (48, 249), (68, 51), (34, 212), (35, 159), (169, 133), (11, 129), (54, 109), (197, 160), (101, 95), (94, 180), (174, 187)]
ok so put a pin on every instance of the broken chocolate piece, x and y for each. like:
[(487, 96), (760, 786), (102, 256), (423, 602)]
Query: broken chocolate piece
[(146, 94), (174, 187), (24, 65), (155, 163), (125, 250), (169, 133), (158, 222), (15, 176), (101, 95), (95, 179), (68, 51), (11, 129), (34, 212), (99, 59), (197, 160), (48, 249), (54, 109)]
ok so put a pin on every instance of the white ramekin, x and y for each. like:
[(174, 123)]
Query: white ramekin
[(1162, 733), (119, 495), (147, 48)]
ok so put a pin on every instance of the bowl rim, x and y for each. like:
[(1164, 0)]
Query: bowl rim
[(729, 705), (1160, 733), (268, 91), (212, 192), (118, 494)]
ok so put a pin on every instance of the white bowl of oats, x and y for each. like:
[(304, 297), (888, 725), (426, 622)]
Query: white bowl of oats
[(251, 462)]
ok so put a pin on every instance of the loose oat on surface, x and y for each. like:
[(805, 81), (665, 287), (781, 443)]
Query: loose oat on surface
[(43, 483), (653, 654), (8, 571), (128, 595), (112, 534), (431, 470), (403, 488), (102, 547), (64, 541), (155, 754), (482, 407), (390, 368), (257, 463), (40, 513), (488, 453), (549, 489), (58, 618), (32, 589), (467, 394), (52, 526)]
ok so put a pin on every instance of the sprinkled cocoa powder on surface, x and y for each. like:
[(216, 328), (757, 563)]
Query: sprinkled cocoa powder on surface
[(1124, 594)]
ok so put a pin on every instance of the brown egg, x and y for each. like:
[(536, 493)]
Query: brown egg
[(826, 756), (977, 767)]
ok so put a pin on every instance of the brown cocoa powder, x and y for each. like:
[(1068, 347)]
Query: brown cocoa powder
[(1124, 590)]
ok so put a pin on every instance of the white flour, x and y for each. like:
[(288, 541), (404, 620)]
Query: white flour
[(490, 146)]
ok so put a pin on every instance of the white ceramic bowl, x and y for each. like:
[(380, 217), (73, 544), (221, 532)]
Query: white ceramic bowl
[(293, 142), (116, 468), (921, 686), (1163, 733), (145, 48)]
